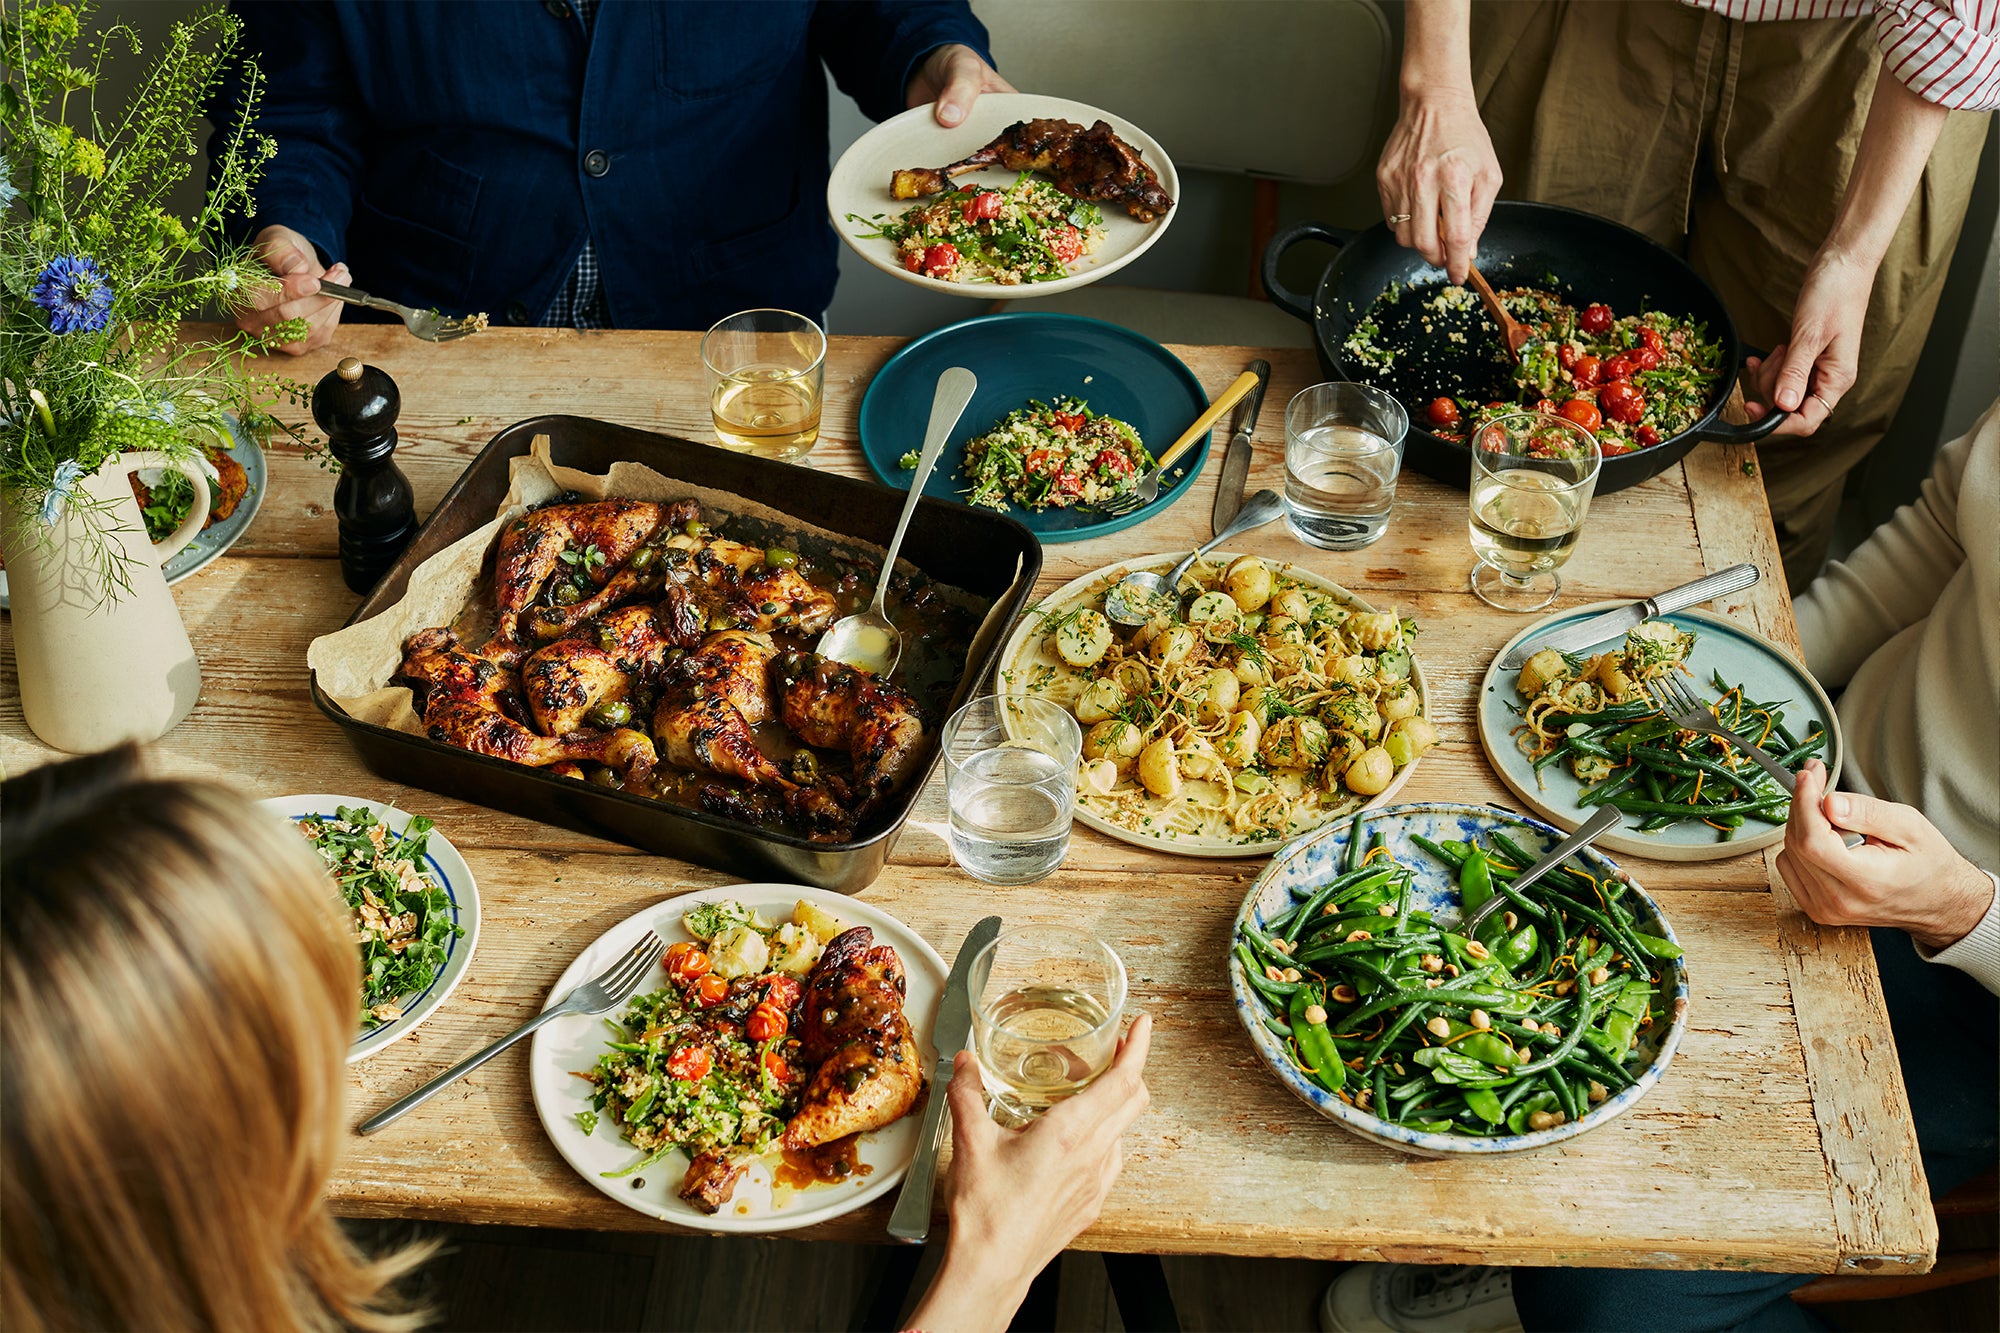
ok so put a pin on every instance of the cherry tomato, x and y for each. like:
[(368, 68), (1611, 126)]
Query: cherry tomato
[(1066, 243), (1068, 483), (985, 204), (1646, 436), (782, 992), (1041, 462), (1645, 358), (690, 1064), (1584, 413), (1114, 463), (767, 1022), (1651, 339), (1619, 367), (1567, 355), (1589, 371), (1442, 412), (711, 990), (1611, 447), (913, 260), (775, 1065), (1622, 402), (1498, 406), (1069, 421), (685, 962), (940, 260), (1595, 318), (1546, 406)]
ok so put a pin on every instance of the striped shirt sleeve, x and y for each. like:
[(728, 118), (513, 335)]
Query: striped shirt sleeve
[(1944, 51)]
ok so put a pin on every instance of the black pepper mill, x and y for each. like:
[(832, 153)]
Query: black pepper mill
[(356, 406)]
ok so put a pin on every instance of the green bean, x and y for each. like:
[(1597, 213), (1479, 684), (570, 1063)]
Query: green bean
[(1636, 807), (1277, 1025), (1613, 785), (1565, 1094)]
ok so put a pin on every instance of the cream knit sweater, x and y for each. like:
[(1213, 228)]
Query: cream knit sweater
[(1910, 624)]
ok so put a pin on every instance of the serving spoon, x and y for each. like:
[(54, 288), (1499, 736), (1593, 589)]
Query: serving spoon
[(1136, 597), (1512, 331), (869, 639)]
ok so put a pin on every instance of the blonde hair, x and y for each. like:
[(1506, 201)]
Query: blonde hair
[(179, 996)]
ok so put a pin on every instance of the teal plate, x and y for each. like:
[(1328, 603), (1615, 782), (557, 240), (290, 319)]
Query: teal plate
[(1742, 657), (1018, 357)]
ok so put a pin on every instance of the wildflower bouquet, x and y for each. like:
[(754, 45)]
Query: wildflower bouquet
[(96, 273)]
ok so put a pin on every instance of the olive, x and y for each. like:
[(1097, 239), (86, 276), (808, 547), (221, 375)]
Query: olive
[(769, 608), (694, 527), (604, 777), (675, 654), (642, 559), (611, 713), (607, 641), (568, 594), (777, 557), (720, 621), (805, 766)]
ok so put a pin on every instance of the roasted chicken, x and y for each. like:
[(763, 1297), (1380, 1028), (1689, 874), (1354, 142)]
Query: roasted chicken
[(465, 698), (598, 539), (740, 586), (601, 661), (866, 1072), (710, 1180), (713, 698), (838, 707), (1093, 164)]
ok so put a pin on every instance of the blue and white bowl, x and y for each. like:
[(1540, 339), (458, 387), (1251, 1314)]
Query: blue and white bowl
[(1319, 857)]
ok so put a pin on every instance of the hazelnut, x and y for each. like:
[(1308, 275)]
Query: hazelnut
[(1480, 1020), (1345, 993), (1438, 1027), (1315, 1014), (1476, 951)]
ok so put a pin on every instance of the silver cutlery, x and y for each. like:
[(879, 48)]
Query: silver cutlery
[(1613, 624), (429, 325), (1236, 460), (607, 990), (1137, 596), (1602, 822), (1147, 489), (912, 1219)]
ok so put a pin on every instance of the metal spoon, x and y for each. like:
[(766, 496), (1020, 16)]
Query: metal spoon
[(1606, 818), (1141, 594), (869, 639)]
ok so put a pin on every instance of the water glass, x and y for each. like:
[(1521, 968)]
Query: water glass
[(1532, 478), (766, 371), (1046, 1001), (1010, 780), (1343, 452)]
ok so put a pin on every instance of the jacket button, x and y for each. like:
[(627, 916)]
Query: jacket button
[(597, 162), (517, 313), (556, 8)]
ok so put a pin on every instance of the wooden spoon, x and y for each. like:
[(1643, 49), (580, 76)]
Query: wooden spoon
[(1513, 331)]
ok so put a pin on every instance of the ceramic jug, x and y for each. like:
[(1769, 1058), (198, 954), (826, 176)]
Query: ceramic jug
[(99, 665)]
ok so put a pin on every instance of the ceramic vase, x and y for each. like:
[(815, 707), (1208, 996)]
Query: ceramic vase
[(98, 666)]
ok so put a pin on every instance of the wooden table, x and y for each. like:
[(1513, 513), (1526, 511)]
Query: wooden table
[(1780, 1139)]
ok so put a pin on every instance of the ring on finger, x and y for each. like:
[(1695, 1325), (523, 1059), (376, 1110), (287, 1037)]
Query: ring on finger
[(1397, 219), (1814, 395)]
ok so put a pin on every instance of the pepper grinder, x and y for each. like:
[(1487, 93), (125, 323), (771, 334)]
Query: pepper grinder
[(356, 406)]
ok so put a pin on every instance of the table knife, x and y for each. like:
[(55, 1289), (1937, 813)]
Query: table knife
[(1236, 459), (1614, 624), (912, 1219)]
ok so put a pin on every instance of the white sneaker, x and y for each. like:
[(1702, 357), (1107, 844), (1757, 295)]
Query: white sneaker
[(1419, 1298)]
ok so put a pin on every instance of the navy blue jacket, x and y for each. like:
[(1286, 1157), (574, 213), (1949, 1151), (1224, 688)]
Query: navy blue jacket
[(458, 155)]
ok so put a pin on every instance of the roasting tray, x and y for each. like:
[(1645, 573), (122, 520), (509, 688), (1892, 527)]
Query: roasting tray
[(985, 554)]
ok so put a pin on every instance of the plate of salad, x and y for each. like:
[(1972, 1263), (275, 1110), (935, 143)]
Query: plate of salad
[(1067, 414), (412, 903), (999, 232)]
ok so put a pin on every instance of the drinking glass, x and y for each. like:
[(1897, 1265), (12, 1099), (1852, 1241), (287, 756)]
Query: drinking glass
[(1010, 781), (1045, 1007), (1532, 478), (1343, 452), (766, 369)]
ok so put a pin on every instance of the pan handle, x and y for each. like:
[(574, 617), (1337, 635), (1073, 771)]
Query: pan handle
[(1287, 300), (1722, 432)]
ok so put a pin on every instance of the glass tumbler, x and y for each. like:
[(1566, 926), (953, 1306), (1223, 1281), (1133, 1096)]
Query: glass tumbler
[(1532, 479), (1046, 1001), (1010, 781), (1343, 453), (766, 371)]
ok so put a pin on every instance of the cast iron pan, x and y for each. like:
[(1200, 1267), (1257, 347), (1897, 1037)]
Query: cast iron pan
[(1580, 255)]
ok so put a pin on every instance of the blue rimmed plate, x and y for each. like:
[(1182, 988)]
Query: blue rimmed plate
[(1319, 857), (1017, 358), (449, 869), (1721, 646)]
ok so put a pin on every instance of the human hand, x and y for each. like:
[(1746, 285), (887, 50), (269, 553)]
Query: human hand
[(1018, 1197), (953, 76), (296, 296), (1807, 375), (1906, 875), (1438, 175)]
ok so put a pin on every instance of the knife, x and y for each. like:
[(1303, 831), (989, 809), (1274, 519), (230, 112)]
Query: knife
[(1613, 624), (1236, 460), (912, 1219)]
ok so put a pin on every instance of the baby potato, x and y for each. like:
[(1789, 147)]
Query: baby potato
[(1590, 767), (1247, 580), (1239, 739), (1344, 748), (1539, 671), (1160, 769), (1132, 676), (1294, 601), (1370, 773), (1215, 613), (1251, 670), (1098, 777), (1199, 759), (1294, 742), (1099, 700), (1220, 691), (1353, 711), (1114, 739), (1372, 631), (1353, 668), (1397, 701), (1611, 675), (1286, 629), (1409, 739), (1084, 638), (822, 923), (1582, 695), (1171, 645)]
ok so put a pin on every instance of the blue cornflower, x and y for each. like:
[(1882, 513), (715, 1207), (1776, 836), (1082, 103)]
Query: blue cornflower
[(61, 483), (75, 293)]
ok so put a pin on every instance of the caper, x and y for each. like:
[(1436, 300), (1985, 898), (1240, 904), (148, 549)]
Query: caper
[(769, 608), (805, 767), (604, 777), (568, 594), (607, 641), (642, 559), (719, 621), (694, 527), (777, 557), (611, 713)]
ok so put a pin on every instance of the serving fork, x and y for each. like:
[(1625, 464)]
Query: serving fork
[(1147, 488), (429, 325), (609, 989)]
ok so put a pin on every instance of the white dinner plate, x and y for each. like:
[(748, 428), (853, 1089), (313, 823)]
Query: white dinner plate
[(572, 1044), (449, 869), (859, 185)]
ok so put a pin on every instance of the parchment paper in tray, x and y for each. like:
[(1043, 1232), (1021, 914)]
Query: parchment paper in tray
[(355, 665)]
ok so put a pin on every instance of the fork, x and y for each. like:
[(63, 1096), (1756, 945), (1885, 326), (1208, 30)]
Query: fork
[(429, 325), (607, 990), (1690, 714), (1147, 488)]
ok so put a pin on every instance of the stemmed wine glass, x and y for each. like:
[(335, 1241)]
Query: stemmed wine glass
[(1532, 478)]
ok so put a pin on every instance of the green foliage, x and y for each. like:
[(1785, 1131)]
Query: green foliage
[(82, 180)]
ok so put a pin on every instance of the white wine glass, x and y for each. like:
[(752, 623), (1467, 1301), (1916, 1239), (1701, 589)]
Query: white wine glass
[(1533, 474), (1046, 1003)]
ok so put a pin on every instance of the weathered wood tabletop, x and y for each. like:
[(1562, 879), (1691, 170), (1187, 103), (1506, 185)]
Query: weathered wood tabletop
[(1780, 1138)]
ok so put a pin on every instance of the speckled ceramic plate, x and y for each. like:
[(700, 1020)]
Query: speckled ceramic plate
[(1318, 857)]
